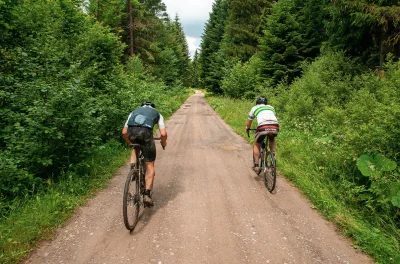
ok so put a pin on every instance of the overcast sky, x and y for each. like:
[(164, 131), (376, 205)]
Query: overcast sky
[(193, 15)]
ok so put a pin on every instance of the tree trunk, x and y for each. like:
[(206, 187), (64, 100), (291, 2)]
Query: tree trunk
[(97, 10), (130, 28), (382, 55)]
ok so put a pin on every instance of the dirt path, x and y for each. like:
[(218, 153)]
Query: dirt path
[(210, 208)]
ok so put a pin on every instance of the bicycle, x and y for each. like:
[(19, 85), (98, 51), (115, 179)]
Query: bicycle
[(267, 163), (133, 196)]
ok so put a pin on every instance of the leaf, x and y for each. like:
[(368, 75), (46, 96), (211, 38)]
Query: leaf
[(396, 200), (384, 163), (365, 164), (374, 164)]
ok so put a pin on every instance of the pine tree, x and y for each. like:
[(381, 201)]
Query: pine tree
[(244, 27), (210, 66), (365, 29), (294, 33), (182, 51), (195, 69)]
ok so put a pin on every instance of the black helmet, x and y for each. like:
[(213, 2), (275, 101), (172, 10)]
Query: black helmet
[(261, 100), (149, 104)]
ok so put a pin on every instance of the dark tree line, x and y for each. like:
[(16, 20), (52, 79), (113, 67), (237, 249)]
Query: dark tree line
[(285, 34)]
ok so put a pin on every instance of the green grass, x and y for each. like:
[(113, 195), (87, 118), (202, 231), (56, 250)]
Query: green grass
[(35, 218), (310, 163)]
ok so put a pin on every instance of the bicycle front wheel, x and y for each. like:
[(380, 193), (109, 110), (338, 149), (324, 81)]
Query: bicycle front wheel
[(270, 172), (131, 202)]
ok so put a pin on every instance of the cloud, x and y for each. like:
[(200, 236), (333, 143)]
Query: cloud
[(189, 10), (193, 43), (193, 14)]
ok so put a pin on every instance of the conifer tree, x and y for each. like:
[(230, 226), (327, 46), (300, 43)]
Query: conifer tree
[(195, 69), (294, 33), (210, 66), (182, 51), (365, 29), (244, 27)]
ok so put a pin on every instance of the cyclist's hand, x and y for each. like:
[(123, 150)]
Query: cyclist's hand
[(163, 144)]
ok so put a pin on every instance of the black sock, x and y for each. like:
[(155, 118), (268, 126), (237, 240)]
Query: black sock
[(255, 164), (132, 166), (147, 192)]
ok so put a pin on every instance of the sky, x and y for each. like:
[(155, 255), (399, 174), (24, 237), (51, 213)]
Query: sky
[(193, 14)]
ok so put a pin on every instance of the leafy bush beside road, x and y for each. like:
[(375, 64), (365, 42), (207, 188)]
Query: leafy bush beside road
[(339, 143)]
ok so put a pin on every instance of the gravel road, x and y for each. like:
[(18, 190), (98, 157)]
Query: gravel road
[(210, 207)]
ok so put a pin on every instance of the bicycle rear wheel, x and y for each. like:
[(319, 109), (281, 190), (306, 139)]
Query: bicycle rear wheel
[(131, 202), (270, 171)]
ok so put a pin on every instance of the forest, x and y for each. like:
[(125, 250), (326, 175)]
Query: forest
[(331, 69), (72, 70)]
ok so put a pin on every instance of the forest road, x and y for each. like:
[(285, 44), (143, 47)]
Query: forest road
[(210, 207)]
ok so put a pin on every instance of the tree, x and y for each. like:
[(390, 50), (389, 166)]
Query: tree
[(366, 29), (294, 33), (210, 66), (182, 50), (195, 69), (244, 27)]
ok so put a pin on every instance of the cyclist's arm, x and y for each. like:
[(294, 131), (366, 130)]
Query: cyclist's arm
[(125, 135), (248, 124), (250, 119), (163, 131), (125, 130)]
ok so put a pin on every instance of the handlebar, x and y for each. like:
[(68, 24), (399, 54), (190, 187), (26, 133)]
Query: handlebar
[(247, 130)]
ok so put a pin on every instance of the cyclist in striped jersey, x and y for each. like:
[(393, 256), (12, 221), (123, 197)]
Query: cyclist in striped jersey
[(267, 126)]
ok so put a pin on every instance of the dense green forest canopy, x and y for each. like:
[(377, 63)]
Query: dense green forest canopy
[(70, 71)]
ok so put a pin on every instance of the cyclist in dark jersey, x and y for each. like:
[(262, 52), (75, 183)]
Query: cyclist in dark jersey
[(138, 129)]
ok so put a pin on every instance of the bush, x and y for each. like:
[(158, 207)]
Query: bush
[(242, 79), (348, 115)]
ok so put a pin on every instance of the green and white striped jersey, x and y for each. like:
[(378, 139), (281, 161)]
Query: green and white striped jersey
[(265, 114)]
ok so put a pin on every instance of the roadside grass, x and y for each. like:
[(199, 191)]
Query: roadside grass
[(36, 217), (310, 164)]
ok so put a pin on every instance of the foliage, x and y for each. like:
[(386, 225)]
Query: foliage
[(293, 34), (365, 30), (210, 61), (323, 168), (159, 42), (63, 91), (241, 81), (195, 70), (243, 28)]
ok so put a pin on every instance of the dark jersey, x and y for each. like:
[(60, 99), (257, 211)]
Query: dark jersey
[(144, 117)]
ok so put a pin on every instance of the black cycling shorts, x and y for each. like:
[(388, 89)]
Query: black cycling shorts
[(144, 137)]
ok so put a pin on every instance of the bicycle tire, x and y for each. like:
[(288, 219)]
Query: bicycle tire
[(131, 200), (270, 172)]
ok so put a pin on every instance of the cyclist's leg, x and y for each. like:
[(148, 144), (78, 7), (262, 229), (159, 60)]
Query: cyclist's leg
[(150, 173), (133, 158), (149, 154), (256, 153), (133, 133), (259, 138), (272, 142)]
